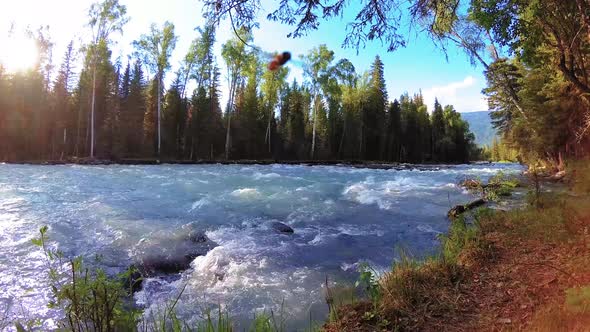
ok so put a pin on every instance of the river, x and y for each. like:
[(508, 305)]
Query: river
[(341, 217)]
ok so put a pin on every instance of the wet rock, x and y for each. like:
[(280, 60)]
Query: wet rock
[(168, 253), (282, 228), (456, 211), (471, 184), (198, 237)]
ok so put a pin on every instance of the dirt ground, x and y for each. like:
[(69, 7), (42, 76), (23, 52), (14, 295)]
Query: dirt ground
[(524, 286), (526, 283)]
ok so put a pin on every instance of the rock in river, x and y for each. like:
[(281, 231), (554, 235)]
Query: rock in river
[(168, 252), (282, 228)]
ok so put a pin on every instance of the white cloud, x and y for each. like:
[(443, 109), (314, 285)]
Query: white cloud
[(464, 95)]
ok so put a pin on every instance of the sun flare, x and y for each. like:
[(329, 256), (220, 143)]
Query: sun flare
[(18, 54)]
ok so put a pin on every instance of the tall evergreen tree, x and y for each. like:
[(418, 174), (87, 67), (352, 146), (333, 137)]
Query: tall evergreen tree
[(63, 100), (438, 132), (374, 113)]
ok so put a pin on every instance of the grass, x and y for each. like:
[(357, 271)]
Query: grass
[(415, 291), (431, 294)]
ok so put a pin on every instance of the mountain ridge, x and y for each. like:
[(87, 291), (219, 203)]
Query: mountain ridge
[(480, 125)]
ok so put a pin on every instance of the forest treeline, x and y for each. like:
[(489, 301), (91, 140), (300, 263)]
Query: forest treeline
[(535, 55), (499, 151), (114, 109)]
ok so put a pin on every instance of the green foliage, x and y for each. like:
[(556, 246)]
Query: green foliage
[(155, 49), (91, 300), (261, 323), (500, 152), (578, 299), (94, 301), (460, 238), (369, 281), (500, 186)]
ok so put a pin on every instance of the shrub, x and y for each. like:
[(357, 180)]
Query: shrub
[(91, 300)]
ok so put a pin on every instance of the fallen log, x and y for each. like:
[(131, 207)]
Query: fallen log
[(457, 210)]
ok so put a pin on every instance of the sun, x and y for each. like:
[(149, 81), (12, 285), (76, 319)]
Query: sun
[(18, 53)]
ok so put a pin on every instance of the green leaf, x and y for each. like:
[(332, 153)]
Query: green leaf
[(19, 327)]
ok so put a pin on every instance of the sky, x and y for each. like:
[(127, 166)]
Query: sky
[(419, 66)]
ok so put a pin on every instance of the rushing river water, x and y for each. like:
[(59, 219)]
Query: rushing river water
[(341, 216)]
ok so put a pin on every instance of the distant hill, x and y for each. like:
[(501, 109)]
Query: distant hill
[(480, 124)]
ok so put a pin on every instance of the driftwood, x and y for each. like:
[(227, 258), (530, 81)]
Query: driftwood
[(457, 210), (557, 176)]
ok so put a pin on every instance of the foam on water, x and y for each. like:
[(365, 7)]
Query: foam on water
[(341, 216), (198, 204), (246, 193), (259, 176)]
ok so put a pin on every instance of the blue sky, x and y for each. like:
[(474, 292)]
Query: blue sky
[(419, 66)]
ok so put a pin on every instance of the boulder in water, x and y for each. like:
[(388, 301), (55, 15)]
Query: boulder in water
[(167, 253), (197, 237), (282, 228)]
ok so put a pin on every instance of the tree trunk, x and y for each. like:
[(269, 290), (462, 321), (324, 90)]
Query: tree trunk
[(342, 138), (230, 103), (267, 138), (314, 127), (228, 135), (159, 114), (92, 111), (361, 143), (63, 150), (79, 124), (177, 143)]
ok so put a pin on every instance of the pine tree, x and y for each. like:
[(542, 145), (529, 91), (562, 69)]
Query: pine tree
[(374, 115), (63, 104), (438, 132), (133, 112), (394, 131)]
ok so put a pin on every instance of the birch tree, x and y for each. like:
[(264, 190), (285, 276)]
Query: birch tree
[(234, 54), (155, 49), (273, 83), (316, 65), (106, 17)]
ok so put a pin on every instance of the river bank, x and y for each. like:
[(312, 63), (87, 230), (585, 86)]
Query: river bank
[(345, 163), (524, 269)]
